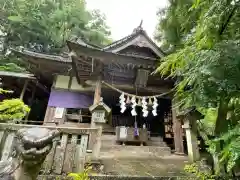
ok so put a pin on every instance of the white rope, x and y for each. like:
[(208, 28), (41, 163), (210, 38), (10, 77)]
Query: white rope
[(131, 95)]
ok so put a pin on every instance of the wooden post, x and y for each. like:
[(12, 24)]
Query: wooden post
[(97, 144), (98, 72), (98, 89), (81, 154), (60, 160), (178, 132), (192, 145), (49, 161), (31, 102), (97, 94), (24, 89), (8, 146)]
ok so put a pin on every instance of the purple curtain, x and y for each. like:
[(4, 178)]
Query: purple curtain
[(67, 99)]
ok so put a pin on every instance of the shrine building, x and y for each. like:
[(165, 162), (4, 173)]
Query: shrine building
[(114, 88)]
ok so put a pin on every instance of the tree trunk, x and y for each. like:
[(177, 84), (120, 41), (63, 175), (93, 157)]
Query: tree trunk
[(220, 128)]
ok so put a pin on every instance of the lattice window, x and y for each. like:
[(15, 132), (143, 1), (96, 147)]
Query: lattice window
[(99, 116)]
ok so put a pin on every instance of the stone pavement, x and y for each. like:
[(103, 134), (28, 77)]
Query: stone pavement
[(165, 166)]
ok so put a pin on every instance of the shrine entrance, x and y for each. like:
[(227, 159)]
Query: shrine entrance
[(154, 124)]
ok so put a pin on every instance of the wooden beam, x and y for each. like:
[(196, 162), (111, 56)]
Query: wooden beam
[(24, 89)]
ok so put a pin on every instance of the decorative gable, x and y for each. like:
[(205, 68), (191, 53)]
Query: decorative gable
[(138, 38), (141, 41)]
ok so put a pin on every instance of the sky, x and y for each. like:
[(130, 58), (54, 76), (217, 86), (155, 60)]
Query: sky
[(125, 15)]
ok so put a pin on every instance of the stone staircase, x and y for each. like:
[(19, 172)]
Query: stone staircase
[(152, 160), (156, 147)]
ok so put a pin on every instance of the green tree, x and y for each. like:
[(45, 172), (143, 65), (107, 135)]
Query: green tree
[(206, 61), (45, 25), (12, 109)]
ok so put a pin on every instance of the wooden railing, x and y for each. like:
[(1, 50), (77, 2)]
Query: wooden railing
[(69, 151)]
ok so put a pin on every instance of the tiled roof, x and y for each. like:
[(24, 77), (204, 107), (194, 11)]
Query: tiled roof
[(42, 56)]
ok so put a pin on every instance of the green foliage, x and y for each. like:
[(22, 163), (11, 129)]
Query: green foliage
[(198, 173), (230, 154), (206, 62), (12, 109), (80, 176), (46, 25)]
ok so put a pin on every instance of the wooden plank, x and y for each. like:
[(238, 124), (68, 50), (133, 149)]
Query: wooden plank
[(24, 89), (1, 136), (46, 118), (48, 164), (2, 141), (61, 157), (81, 153), (8, 146), (69, 162)]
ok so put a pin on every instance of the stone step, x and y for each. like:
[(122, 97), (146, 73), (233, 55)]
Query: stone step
[(111, 140), (116, 177), (144, 167), (124, 152), (157, 143)]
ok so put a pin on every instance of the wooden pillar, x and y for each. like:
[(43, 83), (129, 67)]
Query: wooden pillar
[(192, 142), (81, 154), (98, 87), (98, 73), (7, 150), (97, 145), (31, 102), (98, 90), (24, 89), (178, 132)]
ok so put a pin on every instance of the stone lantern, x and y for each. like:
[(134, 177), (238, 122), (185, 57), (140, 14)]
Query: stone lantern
[(100, 113), (190, 116)]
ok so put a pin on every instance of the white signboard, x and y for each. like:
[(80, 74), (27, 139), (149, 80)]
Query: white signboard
[(58, 113), (123, 132)]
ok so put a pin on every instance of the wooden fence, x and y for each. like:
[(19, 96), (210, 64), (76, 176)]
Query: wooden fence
[(69, 152)]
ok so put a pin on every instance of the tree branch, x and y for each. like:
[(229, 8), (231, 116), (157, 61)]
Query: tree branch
[(224, 26)]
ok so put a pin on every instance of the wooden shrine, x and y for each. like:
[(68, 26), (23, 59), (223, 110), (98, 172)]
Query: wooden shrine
[(79, 78)]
